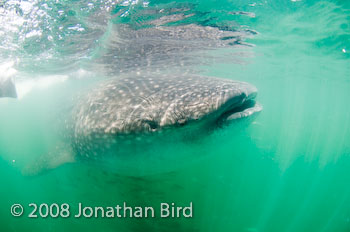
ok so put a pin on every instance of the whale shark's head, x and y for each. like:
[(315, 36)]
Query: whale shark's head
[(211, 100), (152, 103)]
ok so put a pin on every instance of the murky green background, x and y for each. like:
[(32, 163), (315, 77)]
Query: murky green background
[(286, 171)]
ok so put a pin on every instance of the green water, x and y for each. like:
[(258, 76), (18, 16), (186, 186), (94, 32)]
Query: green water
[(288, 170)]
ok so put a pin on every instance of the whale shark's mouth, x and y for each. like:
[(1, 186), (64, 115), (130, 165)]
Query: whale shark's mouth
[(245, 109)]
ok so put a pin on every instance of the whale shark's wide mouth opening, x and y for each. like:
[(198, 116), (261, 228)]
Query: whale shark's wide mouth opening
[(245, 109)]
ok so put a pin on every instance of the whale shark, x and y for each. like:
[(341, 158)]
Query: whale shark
[(120, 111)]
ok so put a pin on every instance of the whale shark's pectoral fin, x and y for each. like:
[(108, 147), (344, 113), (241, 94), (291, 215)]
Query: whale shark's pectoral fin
[(7, 88), (61, 154)]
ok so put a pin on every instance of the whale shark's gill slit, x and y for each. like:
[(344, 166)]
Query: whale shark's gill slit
[(228, 37)]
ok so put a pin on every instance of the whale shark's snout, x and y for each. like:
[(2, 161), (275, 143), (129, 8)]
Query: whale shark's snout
[(239, 103), (212, 100)]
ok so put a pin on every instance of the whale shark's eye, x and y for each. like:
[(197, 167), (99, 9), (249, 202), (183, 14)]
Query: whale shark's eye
[(152, 124)]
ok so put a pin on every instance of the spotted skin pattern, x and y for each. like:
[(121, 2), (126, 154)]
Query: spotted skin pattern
[(143, 104), (122, 109)]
